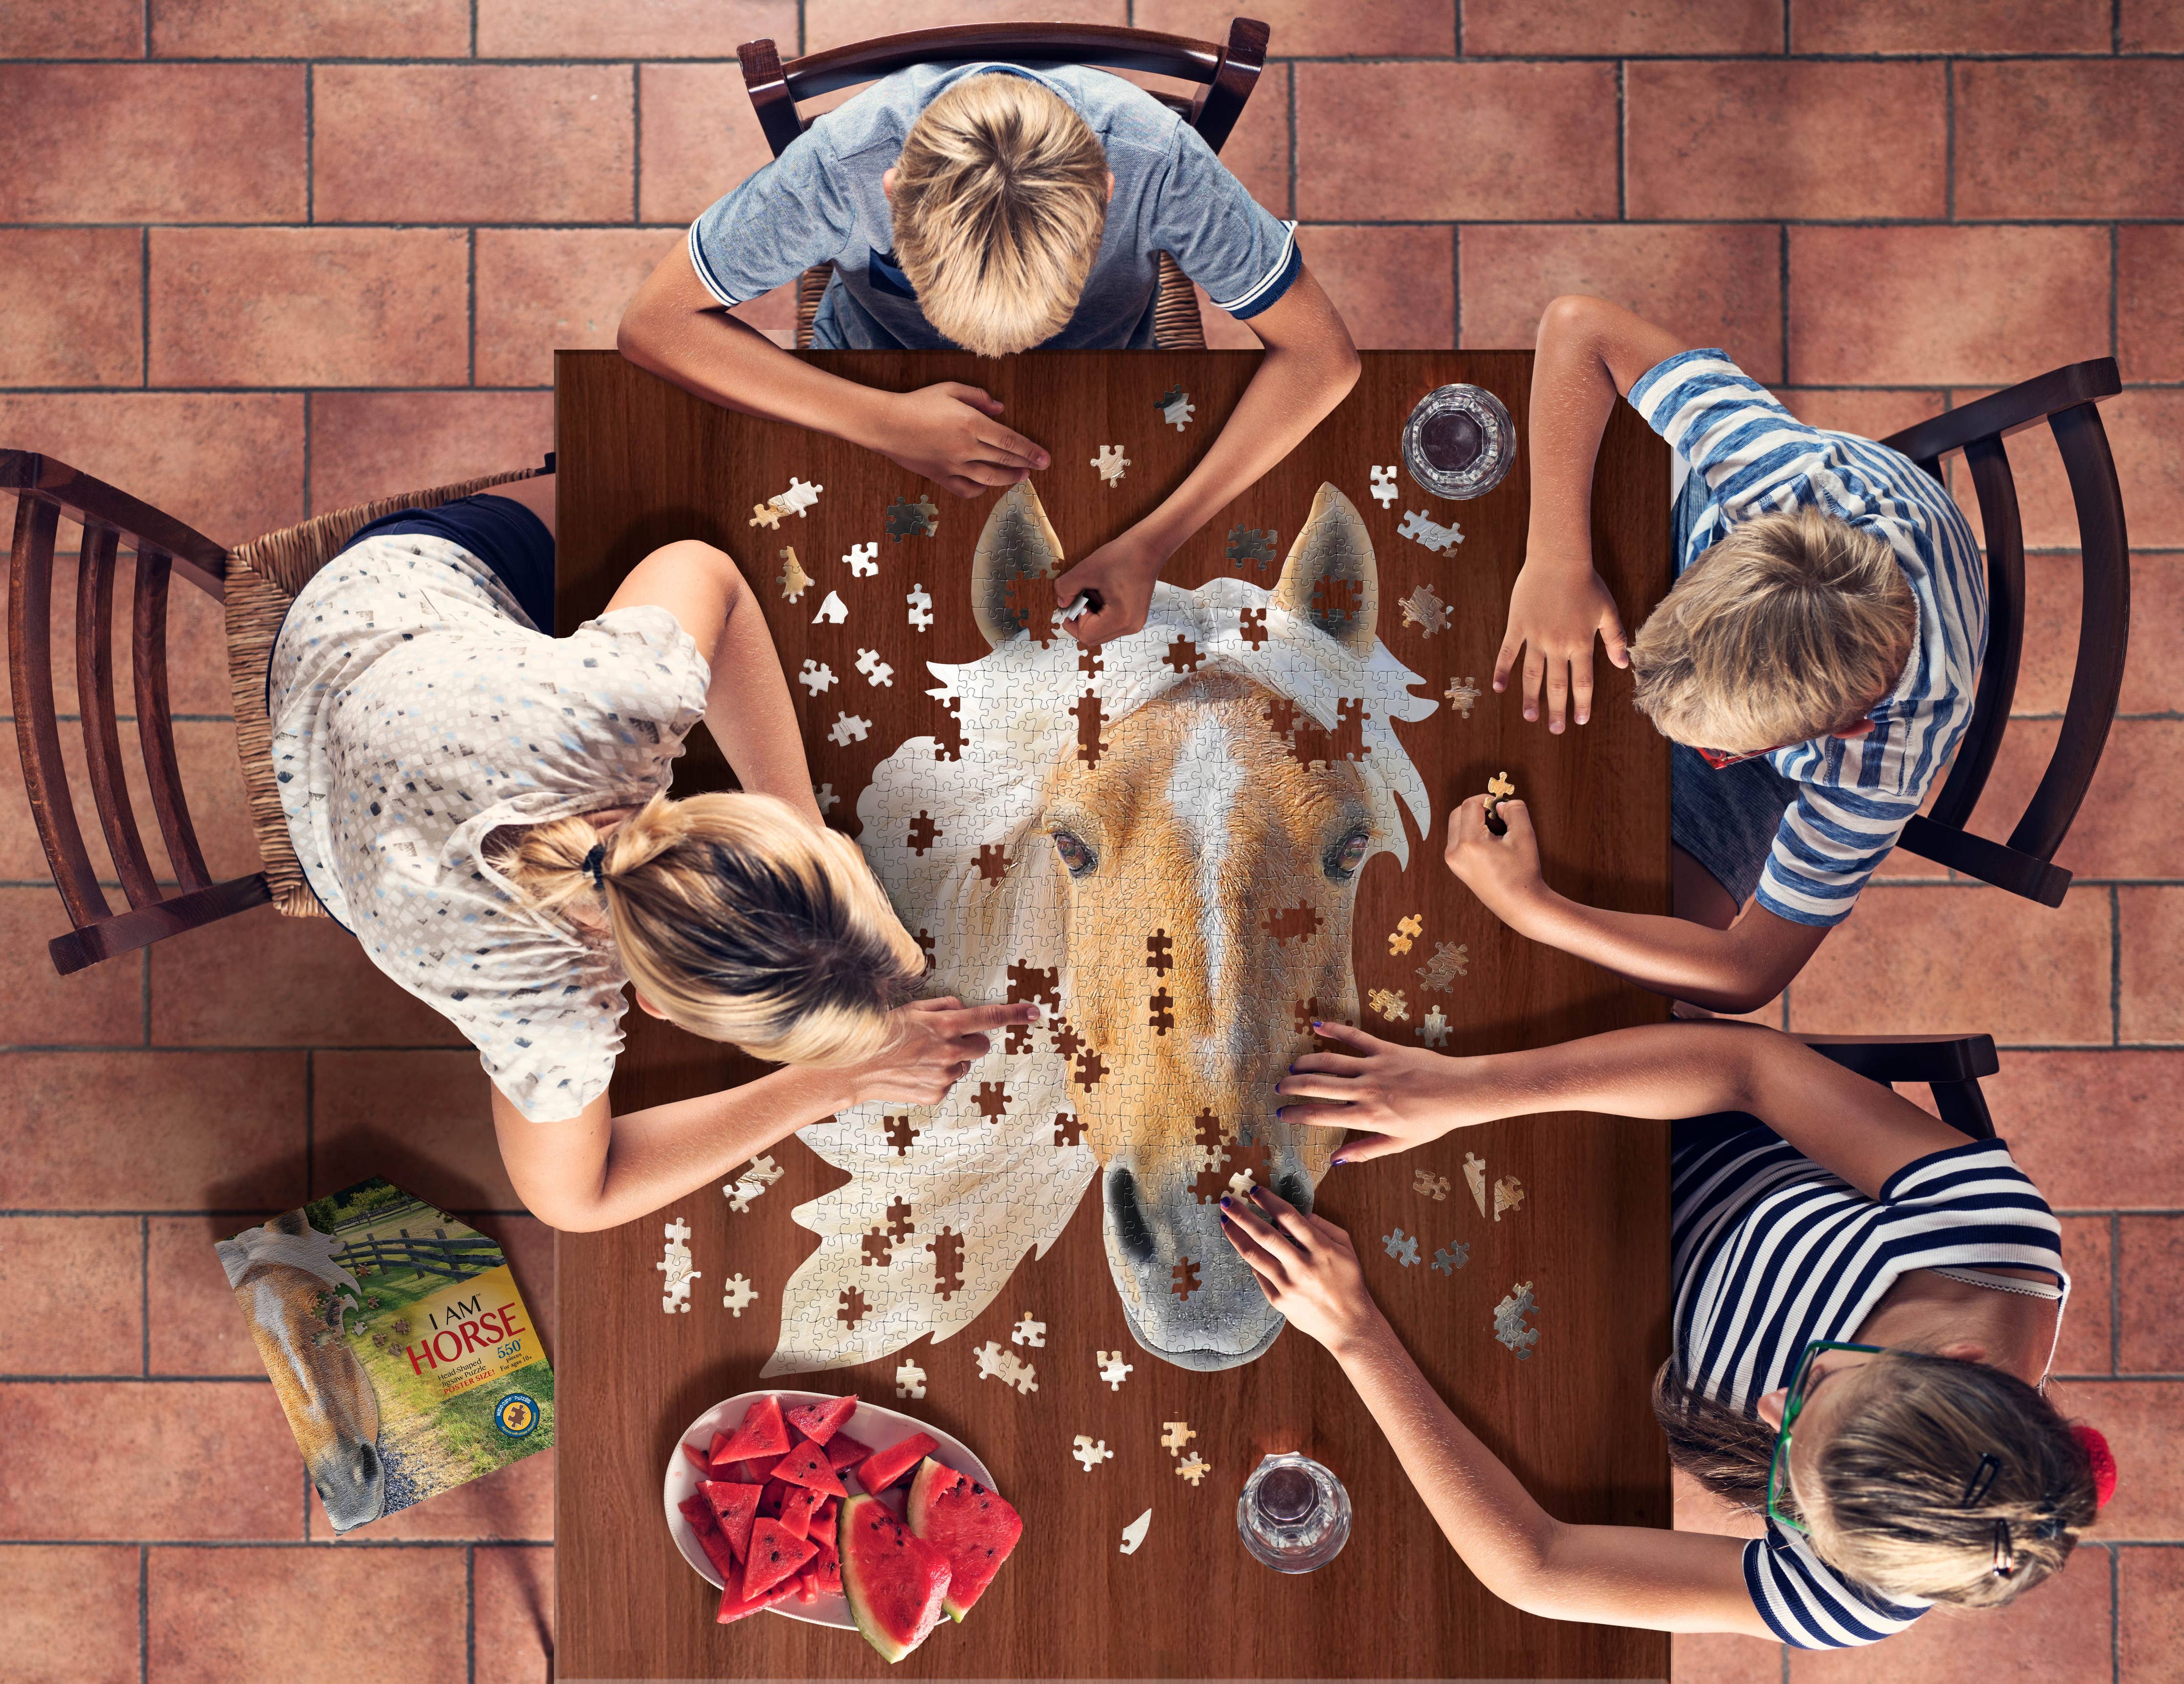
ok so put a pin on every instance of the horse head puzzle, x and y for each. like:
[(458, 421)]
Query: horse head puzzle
[(398, 1344)]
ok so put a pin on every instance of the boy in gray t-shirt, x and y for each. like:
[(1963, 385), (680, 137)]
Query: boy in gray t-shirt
[(997, 208)]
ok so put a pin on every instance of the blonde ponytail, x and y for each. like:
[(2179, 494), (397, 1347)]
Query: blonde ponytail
[(737, 918)]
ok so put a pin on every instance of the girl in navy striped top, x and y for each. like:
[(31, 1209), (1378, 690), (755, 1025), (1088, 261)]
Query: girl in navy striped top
[(1866, 1305)]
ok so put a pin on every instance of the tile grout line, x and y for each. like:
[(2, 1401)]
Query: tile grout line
[(1456, 284), (2115, 285), (1294, 217), (144, 1286), (636, 144), (2115, 966), (2115, 1292), (1622, 140), (1782, 284), (469, 286), (144, 1583), (144, 288), (2115, 1613), (1949, 140)]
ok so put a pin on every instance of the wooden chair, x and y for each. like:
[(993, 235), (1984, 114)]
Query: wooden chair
[(1226, 76), (1951, 1066), (255, 584), (2065, 398)]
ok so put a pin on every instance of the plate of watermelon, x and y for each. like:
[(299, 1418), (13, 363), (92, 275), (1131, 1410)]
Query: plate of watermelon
[(771, 1498)]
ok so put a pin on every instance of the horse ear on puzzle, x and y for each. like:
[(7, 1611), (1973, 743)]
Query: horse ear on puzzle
[(1017, 545), (1329, 580)]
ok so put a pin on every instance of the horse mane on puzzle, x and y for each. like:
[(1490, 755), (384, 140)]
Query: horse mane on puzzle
[(1001, 1186)]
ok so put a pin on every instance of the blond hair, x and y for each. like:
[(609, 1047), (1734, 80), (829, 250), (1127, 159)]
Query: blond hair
[(1889, 1511), (999, 199), (736, 917), (1791, 626)]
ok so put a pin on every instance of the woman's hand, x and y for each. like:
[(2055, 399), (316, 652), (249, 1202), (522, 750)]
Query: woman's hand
[(1405, 1095), (1502, 871), (936, 1043), (1305, 1264), (951, 434), (1555, 610)]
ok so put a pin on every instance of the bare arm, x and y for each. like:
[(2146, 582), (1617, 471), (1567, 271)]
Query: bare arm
[(950, 433), (1309, 366), (1589, 352)]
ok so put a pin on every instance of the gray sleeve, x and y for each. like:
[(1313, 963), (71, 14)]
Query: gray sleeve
[(780, 221), (1243, 255)]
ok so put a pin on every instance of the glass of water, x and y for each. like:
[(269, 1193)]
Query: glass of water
[(1294, 1514)]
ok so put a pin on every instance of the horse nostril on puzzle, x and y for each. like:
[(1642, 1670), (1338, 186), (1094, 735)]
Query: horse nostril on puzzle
[(1131, 1232)]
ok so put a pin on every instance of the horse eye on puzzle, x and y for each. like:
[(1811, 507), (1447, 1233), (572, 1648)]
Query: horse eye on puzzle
[(1342, 860), (1079, 860)]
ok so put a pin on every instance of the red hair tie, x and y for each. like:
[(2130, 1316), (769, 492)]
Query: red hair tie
[(2103, 1459)]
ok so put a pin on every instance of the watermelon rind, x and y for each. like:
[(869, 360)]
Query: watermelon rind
[(896, 1582), (734, 1607), (974, 1527)]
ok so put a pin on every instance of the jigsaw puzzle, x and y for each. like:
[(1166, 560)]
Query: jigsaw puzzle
[(793, 579), (1449, 961), (863, 559), (920, 607), (1134, 1533), (1194, 1468), (848, 727), (1419, 529), (816, 677), (1424, 609), (1176, 1435), (1384, 489), (1509, 1319), (833, 612), (906, 519), (1462, 695), (1390, 1005), (739, 1296), (1176, 407), (1090, 1452), (909, 1379), (875, 671), (1408, 930), (823, 796), (1451, 1257), (1402, 1248), (1474, 1177), (1508, 1194), (1112, 1368), (996, 1362), (1434, 1028), (961, 829), (1433, 1186), (1247, 546), (1110, 461), (676, 1265)]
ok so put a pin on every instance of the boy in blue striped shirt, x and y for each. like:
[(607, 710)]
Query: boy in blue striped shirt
[(1813, 665)]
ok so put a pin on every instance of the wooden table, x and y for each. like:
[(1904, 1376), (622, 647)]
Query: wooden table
[(643, 463)]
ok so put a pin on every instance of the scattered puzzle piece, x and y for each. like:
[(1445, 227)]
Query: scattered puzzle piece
[(1474, 1175), (909, 1379), (847, 728), (1028, 1331), (1509, 1319), (764, 515), (920, 607), (1134, 1533), (800, 496), (997, 1362), (1462, 695), (1402, 1248), (1433, 1186), (1195, 1467), (675, 1264), (875, 671), (823, 796), (1091, 1453), (1508, 1194), (793, 580), (1110, 461), (1434, 1031), (1449, 961), (863, 559), (1390, 1005), (761, 1174), (833, 612), (1408, 930), (906, 519), (816, 677), (1418, 529), (1425, 609), (1177, 1434), (1240, 1183), (1499, 790), (740, 1295), (1383, 488), (1176, 407), (1112, 1368), (1451, 1257)]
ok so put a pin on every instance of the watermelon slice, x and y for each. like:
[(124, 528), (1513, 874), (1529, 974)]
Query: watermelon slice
[(883, 1468), (807, 1585), (827, 1570), (796, 1511), (734, 1507), (974, 1528), (807, 1465), (844, 1451), (700, 1513), (734, 1607), (700, 1459), (775, 1554), (894, 1580), (819, 1422), (752, 1470), (821, 1531), (763, 1433)]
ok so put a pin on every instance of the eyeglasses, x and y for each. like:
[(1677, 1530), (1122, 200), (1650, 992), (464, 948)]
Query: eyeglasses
[(1719, 759), (1793, 1406)]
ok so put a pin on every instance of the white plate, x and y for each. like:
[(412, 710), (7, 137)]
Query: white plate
[(870, 1425)]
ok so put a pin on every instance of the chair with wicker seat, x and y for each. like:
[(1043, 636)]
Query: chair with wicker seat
[(255, 581), (1226, 74)]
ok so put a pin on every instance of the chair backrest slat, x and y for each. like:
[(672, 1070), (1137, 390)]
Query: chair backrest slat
[(38, 728), (204, 562), (2005, 634), (155, 722), (101, 735), (1109, 46)]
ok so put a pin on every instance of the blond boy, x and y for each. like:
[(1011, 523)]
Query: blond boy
[(1813, 665), (994, 208)]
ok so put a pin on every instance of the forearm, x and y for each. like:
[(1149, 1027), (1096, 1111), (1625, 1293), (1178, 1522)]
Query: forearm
[(1573, 393), (1658, 1070), (749, 710), (1718, 969)]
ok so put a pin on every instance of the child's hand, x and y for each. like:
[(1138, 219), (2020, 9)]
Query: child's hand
[(1554, 612), (936, 1043), (1305, 1265), (1502, 871), (1407, 1095), (949, 433), (1123, 571)]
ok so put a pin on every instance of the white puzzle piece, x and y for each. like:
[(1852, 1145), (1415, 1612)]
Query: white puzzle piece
[(875, 671), (1438, 538), (1110, 461), (833, 612), (920, 607), (1383, 488), (675, 1264), (863, 559), (739, 1296), (816, 677), (1134, 1533), (909, 1380), (1090, 1452)]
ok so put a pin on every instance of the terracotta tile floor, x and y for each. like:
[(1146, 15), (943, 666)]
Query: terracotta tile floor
[(253, 268)]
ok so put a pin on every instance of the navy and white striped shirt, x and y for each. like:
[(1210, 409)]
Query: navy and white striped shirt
[(1853, 797), (1772, 1251)]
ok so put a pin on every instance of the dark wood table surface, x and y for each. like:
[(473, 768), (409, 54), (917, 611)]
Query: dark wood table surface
[(643, 463)]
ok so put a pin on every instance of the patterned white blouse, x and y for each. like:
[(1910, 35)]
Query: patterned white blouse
[(415, 709)]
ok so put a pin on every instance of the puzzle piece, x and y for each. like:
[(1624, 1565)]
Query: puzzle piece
[(1390, 1005), (1474, 1175), (1434, 1031), (1176, 407), (824, 798), (833, 612), (920, 607), (1508, 1194), (1451, 1257), (793, 579), (1449, 961), (1028, 1331), (1134, 1533), (1425, 609), (1177, 1434), (1110, 461), (740, 1192), (800, 496), (1240, 1183), (906, 519), (764, 515), (1402, 1248), (1383, 488), (995, 1363), (1509, 1319), (1249, 544), (847, 728), (1462, 695), (1091, 1453), (1440, 539), (816, 677), (740, 1295), (909, 1379), (1193, 1468), (1112, 1368), (875, 671), (1408, 930), (1499, 790), (675, 1264), (1433, 1186)]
